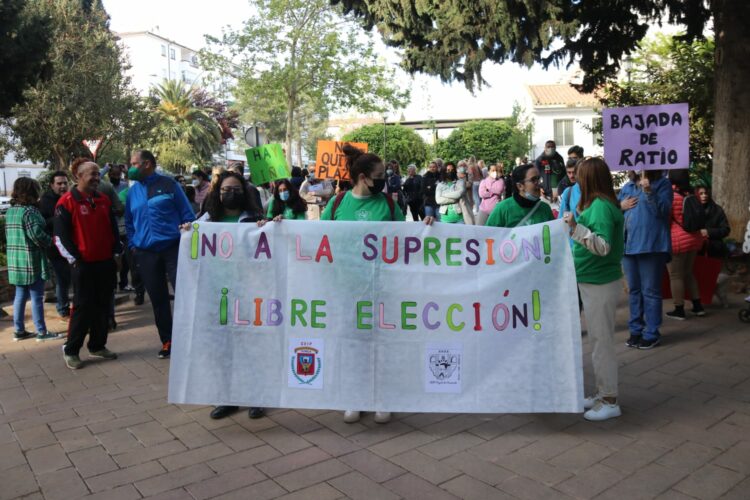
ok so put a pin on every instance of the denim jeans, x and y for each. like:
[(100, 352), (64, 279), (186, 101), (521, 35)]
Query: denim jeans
[(36, 291), (62, 284), (432, 211), (644, 272)]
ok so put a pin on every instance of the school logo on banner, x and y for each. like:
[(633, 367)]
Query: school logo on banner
[(443, 363), (306, 363)]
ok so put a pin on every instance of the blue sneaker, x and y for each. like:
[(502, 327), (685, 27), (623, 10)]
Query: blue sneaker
[(44, 336)]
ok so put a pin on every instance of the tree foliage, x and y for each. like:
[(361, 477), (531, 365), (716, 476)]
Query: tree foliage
[(454, 39), (185, 134), (24, 46), (86, 93), (490, 141), (295, 52), (668, 69), (401, 143)]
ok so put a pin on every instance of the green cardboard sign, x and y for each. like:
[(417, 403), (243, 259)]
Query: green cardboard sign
[(267, 163)]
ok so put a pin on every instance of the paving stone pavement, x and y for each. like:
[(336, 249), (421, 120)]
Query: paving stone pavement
[(107, 431)]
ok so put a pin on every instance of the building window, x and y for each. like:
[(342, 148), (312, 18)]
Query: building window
[(194, 60), (596, 129), (563, 132), (164, 50), (172, 54)]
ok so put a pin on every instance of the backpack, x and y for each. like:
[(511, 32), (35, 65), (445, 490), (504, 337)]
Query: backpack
[(340, 197), (693, 214)]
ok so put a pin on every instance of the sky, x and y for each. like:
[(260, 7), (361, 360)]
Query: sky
[(186, 21)]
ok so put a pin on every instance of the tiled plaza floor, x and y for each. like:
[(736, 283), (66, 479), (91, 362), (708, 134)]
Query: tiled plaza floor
[(107, 431)]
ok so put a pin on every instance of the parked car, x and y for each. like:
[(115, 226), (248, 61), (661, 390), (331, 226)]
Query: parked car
[(4, 204)]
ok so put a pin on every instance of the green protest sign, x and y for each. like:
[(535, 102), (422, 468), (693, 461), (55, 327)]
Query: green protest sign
[(267, 163)]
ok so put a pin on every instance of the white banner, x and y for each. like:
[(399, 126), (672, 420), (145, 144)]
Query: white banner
[(377, 316)]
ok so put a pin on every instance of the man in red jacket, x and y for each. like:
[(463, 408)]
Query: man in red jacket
[(86, 235)]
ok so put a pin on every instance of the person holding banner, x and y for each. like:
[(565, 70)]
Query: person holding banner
[(286, 203), (365, 202), (230, 200), (597, 254), (646, 202), (525, 207)]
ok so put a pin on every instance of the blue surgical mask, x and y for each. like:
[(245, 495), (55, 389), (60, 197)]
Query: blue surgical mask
[(284, 195), (530, 196)]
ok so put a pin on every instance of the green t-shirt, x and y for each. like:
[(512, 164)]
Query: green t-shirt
[(508, 213), (374, 208), (123, 195), (230, 218), (288, 212), (604, 219), (450, 216)]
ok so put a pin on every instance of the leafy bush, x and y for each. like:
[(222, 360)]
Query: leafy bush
[(401, 143), (487, 140)]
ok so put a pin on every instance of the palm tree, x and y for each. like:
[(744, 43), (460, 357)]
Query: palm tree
[(183, 127)]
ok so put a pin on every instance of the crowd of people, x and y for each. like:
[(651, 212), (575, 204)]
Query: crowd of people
[(97, 229)]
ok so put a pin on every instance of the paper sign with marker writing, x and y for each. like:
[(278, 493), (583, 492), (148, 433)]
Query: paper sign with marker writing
[(330, 162), (377, 316), (267, 163)]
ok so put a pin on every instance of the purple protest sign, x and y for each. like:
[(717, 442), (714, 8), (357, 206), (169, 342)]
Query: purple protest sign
[(647, 137)]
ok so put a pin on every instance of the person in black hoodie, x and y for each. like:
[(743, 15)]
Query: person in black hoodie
[(429, 183), (717, 224), (552, 168), (58, 186)]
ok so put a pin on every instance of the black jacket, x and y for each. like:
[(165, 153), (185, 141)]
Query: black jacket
[(413, 189), (429, 183), (47, 205), (717, 226)]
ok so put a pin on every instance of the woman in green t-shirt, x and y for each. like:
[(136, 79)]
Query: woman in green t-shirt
[(286, 203), (525, 207), (597, 253), (231, 199)]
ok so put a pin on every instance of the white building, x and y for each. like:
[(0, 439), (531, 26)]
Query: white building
[(154, 58), (565, 115)]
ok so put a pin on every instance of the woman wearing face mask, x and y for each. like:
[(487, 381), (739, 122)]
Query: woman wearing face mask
[(230, 200), (452, 196), (491, 191), (364, 202), (525, 207), (286, 203), (201, 185)]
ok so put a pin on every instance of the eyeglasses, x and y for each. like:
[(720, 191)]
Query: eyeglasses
[(231, 189), (533, 180)]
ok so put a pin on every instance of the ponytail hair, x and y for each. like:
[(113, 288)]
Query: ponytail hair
[(359, 162)]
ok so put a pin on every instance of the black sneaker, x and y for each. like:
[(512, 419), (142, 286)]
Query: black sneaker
[(678, 314), (21, 335), (112, 324), (138, 300), (256, 412), (648, 344), (166, 350), (698, 310), (633, 341), (222, 411)]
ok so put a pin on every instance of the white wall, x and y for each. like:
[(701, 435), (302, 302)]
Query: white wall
[(8, 176), (544, 129)]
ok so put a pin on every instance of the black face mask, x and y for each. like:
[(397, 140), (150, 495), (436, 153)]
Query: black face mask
[(377, 186), (451, 176), (232, 200), (115, 182)]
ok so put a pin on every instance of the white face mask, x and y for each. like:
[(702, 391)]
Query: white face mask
[(196, 182), (493, 174)]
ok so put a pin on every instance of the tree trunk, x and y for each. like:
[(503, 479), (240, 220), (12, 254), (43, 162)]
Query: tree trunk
[(289, 131), (299, 149), (60, 155), (731, 145)]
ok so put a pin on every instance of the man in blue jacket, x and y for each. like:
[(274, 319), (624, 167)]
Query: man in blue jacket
[(156, 206), (647, 205)]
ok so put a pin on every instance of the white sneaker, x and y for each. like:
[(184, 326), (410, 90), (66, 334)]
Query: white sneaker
[(602, 411), (351, 416), (382, 417), (589, 402)]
